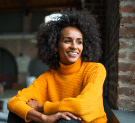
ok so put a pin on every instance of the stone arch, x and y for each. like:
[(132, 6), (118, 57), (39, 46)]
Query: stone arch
[(8, 68)]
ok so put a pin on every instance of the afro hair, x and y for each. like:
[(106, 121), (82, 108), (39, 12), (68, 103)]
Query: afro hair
[(49, 34)]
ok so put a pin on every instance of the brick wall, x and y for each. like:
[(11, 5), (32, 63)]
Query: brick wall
[(111, 50), (126, 57), (119, 53)]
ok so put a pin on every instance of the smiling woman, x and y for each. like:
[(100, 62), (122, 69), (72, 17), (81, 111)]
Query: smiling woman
[(70, 45)]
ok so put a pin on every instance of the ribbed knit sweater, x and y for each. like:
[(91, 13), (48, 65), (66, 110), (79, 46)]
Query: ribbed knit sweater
[(76, 88)]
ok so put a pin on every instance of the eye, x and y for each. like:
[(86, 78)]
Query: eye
[(79, 42), (67, 41)]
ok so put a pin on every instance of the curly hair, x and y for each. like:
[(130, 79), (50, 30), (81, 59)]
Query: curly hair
[(49, 33)]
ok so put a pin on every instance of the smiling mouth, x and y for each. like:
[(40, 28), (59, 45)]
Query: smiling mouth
[(73, 53)]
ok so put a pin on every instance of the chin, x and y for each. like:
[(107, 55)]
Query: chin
[(69, 61), (73, 61)]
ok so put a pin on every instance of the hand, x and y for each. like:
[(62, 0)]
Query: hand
[(35, 105), (71, 115), (55, 117)]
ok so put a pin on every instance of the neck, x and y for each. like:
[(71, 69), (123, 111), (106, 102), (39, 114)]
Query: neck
[(69, 69)]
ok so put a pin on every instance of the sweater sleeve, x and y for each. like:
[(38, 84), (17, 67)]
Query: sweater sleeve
[(18, 105), (84, 102)]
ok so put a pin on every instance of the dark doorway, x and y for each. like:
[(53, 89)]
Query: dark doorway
[(8, 69)]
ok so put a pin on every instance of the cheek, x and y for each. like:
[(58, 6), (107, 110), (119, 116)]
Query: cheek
[(63, 47), (81, 48), (61, 51)]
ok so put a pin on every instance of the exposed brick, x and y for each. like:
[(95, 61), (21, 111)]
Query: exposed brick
[(126, 91), (129, 20), (127, 8), (124, 66), (132, 79), (123, 91), (126, 104), (132, 92), (132, 56), (132, 76), (132, 68), (127, 31), (124, 78), (123, 44), (122, 55)]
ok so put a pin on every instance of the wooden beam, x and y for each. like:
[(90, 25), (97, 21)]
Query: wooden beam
[(23, 6), (52, 8), (8, 3), (2, 5), (6, 10), (39, 8)]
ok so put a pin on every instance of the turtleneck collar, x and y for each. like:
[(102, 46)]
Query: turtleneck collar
[(69, 69)]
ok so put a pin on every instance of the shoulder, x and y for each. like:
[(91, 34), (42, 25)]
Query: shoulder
[(93, 65), (43, 77), (90, 68), (94, 72), (47, 73)]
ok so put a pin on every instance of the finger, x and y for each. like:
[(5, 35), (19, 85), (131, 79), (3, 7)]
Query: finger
[(72, 115), (61, 115), (79, 118), (65, 117)]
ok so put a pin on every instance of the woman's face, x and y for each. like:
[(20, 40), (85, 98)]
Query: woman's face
[(70, 45)]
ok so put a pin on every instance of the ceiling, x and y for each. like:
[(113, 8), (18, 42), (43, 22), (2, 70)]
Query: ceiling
[(36, 5)]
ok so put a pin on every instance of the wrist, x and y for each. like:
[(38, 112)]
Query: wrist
[(43, 118)]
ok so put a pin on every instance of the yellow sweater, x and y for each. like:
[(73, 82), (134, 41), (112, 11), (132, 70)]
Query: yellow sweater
[(76, 88)]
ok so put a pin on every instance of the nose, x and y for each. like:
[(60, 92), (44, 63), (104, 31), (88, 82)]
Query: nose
[(74, 45)]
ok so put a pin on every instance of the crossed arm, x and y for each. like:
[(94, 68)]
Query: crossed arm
[(32, 109), (37, 114), (82, 105)]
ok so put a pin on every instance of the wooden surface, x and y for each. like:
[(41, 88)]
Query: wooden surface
[(37, 5)]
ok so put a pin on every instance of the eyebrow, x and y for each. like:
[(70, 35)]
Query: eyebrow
[(70, 38)]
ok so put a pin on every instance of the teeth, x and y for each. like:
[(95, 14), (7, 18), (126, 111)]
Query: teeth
[(72, 53)]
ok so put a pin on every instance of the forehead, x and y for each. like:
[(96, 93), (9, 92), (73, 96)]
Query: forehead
[(71, 31)]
